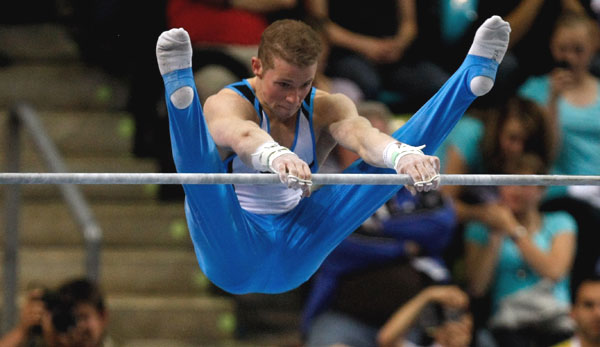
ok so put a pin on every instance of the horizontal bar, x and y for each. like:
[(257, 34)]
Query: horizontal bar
[(318, 179)]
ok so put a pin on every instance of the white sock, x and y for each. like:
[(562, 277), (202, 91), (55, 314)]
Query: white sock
[(173, 51), (491, 39)]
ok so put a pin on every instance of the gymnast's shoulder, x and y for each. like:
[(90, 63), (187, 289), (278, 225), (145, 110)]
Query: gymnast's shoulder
[(331, 107), (226, 104)]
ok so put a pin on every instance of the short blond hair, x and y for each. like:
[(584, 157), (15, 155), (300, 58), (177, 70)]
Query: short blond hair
[(291, 40)]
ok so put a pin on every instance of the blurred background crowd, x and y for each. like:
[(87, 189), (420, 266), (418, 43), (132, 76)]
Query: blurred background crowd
[(463, 266)]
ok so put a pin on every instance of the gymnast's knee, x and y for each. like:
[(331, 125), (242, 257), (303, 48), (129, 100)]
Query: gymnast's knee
[(182, 97)]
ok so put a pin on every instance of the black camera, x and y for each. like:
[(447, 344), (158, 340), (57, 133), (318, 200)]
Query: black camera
[(451, 314), (61, 311), (562, 64)]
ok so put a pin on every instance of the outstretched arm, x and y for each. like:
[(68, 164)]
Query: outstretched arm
[(376, 148), (233, 126)]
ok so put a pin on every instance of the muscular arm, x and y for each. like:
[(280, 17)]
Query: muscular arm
[(352, 131), (340, 120), (233, 126)]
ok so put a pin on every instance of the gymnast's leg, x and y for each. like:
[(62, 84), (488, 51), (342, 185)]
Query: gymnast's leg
[(475, 77), (220, 232)]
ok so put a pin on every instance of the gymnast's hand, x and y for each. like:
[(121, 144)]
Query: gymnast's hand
[(293, 172), (424, 171)]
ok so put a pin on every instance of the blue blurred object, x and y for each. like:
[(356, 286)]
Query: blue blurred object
[(457, 16)]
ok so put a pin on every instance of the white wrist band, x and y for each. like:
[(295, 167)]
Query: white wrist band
[(395, 150), (262, 159)]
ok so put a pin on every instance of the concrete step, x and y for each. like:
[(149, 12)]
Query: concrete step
[(61, 86), (142, 271), (49, 42), (93, 163), (81, 133), (141, 224), (94, 193), (190, 321)]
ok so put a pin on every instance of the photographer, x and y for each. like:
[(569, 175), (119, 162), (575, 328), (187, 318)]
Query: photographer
[(454, 330), (72, 315), (27, 332)]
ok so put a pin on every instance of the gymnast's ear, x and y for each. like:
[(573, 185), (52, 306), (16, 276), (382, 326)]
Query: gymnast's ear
[(257, 67)]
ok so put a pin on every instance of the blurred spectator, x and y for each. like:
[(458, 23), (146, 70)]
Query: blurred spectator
[(74, 315), (89, 311), (528, 54), (327, 83), (524, 261), (452, 331), (28, 330), (571, 94), (486, 142), (586, 314), (371, 44)]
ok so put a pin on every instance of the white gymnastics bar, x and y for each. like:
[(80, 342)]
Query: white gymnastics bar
[(318, 179)]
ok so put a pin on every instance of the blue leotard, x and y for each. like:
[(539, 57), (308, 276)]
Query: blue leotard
[(244, 252)]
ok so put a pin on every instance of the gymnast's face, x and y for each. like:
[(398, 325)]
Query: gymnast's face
[(282, 88)]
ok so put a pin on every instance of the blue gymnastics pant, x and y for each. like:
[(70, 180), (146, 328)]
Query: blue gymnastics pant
[(242, 252)]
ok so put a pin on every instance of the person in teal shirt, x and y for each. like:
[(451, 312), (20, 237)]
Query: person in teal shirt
[(526, 247), (486, 142), (571, 93)]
